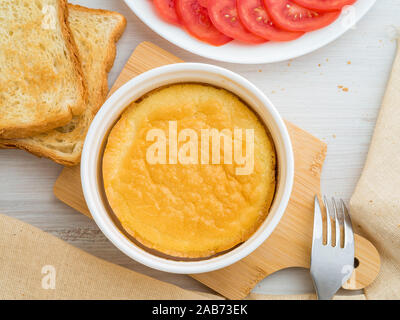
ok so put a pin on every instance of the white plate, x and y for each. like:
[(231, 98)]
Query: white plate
[(236, 52)]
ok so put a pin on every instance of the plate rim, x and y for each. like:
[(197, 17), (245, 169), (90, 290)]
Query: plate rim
[(190, 45)]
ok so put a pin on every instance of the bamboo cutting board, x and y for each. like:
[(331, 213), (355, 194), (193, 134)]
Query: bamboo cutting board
[(290, 243)]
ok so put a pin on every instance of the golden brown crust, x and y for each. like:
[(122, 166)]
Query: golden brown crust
[(23, 131), (34, 149), (109, 61), (72, 159), (73, 49), (30, 130)]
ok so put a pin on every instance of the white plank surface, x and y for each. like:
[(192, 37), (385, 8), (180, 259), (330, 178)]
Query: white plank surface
[(304, 90)]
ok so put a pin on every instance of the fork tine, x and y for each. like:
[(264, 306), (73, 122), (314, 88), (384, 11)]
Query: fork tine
[(328, 211), (338, 213), (348, 227), (331, 265), (318, 225)]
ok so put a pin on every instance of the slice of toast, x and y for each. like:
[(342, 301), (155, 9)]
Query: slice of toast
[(41, 79), (96, 33)]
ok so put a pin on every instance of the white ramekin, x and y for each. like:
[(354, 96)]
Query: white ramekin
[(177, 73)]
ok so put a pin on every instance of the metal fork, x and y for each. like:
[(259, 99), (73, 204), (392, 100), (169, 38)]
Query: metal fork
[(332, 262)]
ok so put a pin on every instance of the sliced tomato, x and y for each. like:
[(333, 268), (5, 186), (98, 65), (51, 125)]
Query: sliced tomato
[(203, 3), (325, 5), (292, 17), (224, 16), (166, 9), (255, 18), (196, 21)]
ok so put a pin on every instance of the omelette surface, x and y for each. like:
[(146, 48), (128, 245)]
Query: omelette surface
[(187, 210)]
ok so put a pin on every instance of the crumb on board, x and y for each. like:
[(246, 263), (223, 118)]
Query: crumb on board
[(343, 88)]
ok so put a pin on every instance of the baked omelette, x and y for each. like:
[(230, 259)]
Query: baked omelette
[(190, 210)]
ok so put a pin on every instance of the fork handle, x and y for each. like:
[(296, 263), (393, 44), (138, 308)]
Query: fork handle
[(323, 291)]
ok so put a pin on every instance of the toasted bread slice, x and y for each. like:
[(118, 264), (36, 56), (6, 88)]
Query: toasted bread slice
[(96, 33), (41, 79)]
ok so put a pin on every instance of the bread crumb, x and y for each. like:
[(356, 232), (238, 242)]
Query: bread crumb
[(343, 88)]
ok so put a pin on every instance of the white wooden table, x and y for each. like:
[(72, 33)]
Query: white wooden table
[(304, 90)]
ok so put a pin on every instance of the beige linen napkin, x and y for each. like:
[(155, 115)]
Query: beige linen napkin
[(375, 205), (37, 265)]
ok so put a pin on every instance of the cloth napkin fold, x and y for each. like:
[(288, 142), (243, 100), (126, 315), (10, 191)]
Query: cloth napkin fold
[(375, 205)]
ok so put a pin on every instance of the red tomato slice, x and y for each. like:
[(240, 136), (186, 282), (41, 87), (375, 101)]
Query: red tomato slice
[(255, 18), (203, 3), (196, 21), (292, 17), (224, 16), (325, 5), (166, 9)]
